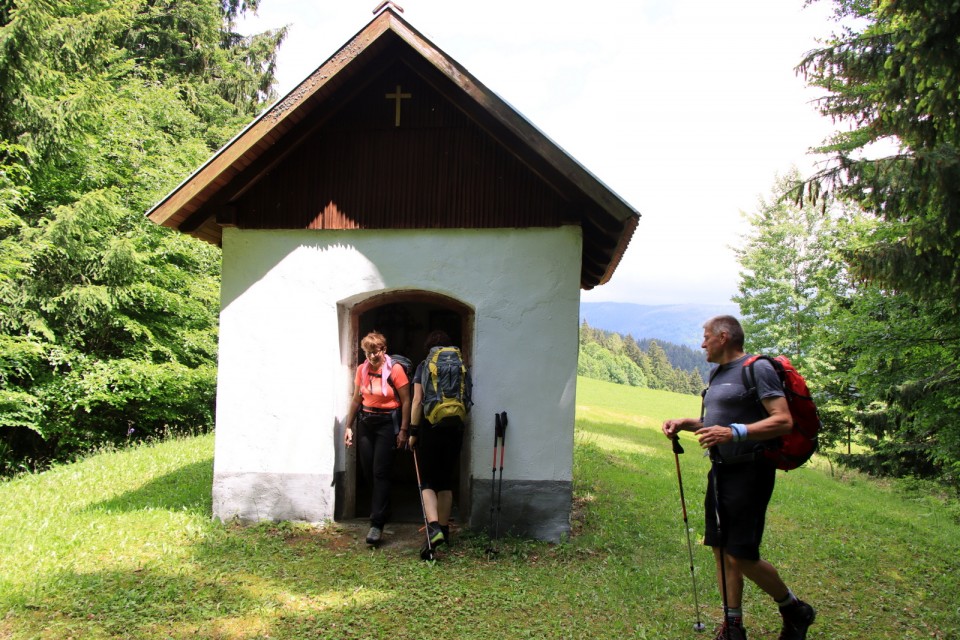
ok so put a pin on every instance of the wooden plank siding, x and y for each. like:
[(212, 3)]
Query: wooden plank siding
[(438, 169)]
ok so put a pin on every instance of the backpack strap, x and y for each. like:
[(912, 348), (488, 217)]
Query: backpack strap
[(703, 394), (748, 369), (749, 376), (390, 378), (384, 374)]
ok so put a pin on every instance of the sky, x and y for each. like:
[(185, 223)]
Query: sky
[(687, 109)]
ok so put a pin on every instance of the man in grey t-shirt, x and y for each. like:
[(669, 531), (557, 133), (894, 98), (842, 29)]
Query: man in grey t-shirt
[(736, 421), (728, 402)]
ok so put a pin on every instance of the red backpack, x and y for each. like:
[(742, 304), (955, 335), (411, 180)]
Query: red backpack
[(797, 446)]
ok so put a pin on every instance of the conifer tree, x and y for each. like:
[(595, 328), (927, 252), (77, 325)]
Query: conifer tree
[(108, 322), (892, 79)]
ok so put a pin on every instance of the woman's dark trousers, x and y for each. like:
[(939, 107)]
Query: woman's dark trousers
[(376, 451)]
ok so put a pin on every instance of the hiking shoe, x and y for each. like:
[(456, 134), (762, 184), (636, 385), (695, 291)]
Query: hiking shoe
[(435, 533), (427, 552), (374, 536), (731, 632), (796, 620), (446, 533)]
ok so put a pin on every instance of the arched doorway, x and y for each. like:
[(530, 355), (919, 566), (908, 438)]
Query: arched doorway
[(405, 318)]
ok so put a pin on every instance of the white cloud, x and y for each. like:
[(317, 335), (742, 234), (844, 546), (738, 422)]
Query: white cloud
[(686, 108)]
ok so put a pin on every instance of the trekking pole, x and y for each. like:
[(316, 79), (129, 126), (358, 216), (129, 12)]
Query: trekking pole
[(427, 552), (723, 554), (677, 450), (503, 447), (493, 481), (497, 436)]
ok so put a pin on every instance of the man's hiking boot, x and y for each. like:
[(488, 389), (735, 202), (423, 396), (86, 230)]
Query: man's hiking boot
[(731, 632), (435, 534), (374, 536), (797, 618)]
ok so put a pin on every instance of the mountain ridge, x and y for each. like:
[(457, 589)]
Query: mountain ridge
[(677, 323)]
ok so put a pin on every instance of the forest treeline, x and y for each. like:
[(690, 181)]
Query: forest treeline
[(609, 356), (108, 323)]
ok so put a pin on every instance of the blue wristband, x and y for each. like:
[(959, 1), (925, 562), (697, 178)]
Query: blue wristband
[(739, 431)]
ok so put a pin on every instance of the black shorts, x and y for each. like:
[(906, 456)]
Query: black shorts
[(745, 491), (439, 449)]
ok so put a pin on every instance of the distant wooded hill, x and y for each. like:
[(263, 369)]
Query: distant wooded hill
[(680, 324), (680, 356), (609, 356), (677, 329)]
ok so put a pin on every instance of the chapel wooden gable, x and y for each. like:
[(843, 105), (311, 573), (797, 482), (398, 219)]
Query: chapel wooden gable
[(398, 155), (391, 133)]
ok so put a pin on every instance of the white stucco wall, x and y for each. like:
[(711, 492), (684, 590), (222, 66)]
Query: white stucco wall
[(282, 390)]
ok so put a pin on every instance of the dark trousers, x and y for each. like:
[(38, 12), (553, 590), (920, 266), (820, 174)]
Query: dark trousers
[(375, 448)]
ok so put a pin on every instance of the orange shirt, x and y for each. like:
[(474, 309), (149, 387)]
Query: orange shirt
[(373, 394)]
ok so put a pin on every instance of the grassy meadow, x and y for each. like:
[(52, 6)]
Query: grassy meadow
[(121, 545)]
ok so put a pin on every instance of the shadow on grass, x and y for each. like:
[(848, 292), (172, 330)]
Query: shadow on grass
[(282, 581), (188, 488)]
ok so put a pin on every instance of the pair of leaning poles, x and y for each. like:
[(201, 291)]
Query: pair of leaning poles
[(499, 435)]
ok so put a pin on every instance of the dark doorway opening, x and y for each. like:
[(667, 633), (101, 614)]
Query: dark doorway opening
[(405, 319)]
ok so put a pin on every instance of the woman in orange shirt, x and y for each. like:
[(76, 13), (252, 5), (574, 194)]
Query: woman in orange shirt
[(381, 390)]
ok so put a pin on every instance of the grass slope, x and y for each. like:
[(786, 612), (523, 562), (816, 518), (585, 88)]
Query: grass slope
[(121, 545)]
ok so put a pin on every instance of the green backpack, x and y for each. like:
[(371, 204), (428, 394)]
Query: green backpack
[(446, 385)]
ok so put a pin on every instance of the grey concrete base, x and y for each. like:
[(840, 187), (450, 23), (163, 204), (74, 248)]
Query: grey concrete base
[(528, 508), (252, 497)]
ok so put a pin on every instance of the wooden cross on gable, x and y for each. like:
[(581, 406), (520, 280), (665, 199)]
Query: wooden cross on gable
[(397, 96)]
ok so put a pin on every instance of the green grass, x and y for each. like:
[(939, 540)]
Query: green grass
[(121, 545)]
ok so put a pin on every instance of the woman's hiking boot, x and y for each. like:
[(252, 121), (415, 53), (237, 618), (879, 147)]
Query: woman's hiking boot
[(374, 536)]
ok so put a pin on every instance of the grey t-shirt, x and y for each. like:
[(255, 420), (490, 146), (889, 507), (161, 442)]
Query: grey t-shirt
[(728, 400)]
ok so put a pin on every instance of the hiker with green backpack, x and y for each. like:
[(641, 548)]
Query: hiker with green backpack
[(742, 418), (441, 401)]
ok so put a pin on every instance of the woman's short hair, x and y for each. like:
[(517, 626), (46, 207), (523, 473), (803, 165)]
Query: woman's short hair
[(436, 338), (726, 324), (373, 341)]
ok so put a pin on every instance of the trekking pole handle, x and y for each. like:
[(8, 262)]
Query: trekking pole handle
[(497, 430), (676, 444)]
